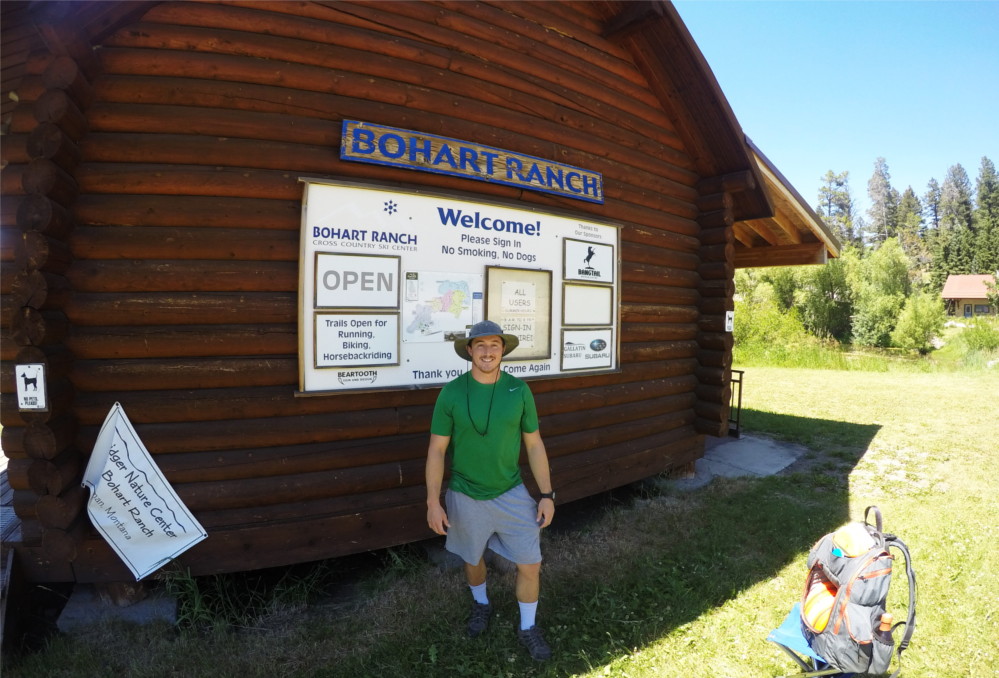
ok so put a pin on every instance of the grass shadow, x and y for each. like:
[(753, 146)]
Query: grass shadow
[(652, 562)]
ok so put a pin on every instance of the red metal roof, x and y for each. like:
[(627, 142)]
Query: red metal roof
[(966, 286)]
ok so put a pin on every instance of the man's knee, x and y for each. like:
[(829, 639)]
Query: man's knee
[(531, 571)]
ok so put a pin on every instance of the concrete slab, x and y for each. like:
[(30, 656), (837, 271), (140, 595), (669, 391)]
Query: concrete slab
[(85, 608), (746, 456)]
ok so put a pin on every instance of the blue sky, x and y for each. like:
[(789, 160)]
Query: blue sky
[(833, 85)]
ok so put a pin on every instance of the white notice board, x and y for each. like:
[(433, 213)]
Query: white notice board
[(389, 279)]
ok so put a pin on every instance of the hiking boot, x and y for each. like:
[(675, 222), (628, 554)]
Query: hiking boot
[(479, 619), (535, 643)]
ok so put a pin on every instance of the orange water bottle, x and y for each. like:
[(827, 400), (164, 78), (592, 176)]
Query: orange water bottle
[(883, 632)]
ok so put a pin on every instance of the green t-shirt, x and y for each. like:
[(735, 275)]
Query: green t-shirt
[(485, 466)]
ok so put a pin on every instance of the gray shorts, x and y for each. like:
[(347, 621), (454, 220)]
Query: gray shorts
[(507, 524)]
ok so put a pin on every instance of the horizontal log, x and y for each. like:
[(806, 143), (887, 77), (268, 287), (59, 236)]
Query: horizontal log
[(710, 427), (716, 219), (274, 543), (54, 476), (717, 236), (56, 358), (347, 71), (49, 142), (59, 398), (249, 492), (37, 251), (278, 460), (658, 174), (63, 545), (14, 150), (667, 350), (712, 323), (211, 436), (39, 213), (712, 411), (11, 180), (242, 403), (41, 290), (713, 202), (65, 74), (717, 288), (179, 373), (711, 358), (60, 511), (166, 308), (711, 270), (228, 519), (712, 375), (721, 252), (128, 342), (190, 211), (44, 177), (144, 179), (12, 442), (108, 242), (652, 313), (651, 274), (719, 395), (591, 472), (665, 331), (47, 440), (643, 293), (733, 182), (29, 326), (646, 254), (716, 305), (57, 107), (716, 341), (568, 434), (184, 276)]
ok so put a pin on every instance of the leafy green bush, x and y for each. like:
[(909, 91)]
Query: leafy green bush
[(982, 336), (922, 319)]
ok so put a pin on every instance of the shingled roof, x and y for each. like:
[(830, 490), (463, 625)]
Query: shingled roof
[(967, 286)]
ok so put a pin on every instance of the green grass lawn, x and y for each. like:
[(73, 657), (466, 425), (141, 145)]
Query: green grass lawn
[(663, 583)]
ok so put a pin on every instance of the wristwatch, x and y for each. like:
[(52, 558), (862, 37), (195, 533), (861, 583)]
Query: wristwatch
[(548, 495)]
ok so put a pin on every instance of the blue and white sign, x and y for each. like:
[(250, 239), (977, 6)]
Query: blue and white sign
[(381, 145)]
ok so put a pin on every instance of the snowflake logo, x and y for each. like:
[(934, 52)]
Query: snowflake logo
[(391, 207)]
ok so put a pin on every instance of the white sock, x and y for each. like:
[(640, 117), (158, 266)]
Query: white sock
[(479, 593), (528, 611)]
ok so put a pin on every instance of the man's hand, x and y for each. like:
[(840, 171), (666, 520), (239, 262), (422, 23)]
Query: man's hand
[(437, 519), (546, 511)]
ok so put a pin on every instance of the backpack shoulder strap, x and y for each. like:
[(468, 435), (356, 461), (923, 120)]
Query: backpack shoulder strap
[(910, 622)]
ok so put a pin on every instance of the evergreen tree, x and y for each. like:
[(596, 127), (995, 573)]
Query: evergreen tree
[(911, 228), (986, 219), (883, 212), (836, 207), (954, 242), (932, 200)]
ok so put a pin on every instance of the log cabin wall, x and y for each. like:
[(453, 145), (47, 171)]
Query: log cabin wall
[(159, 212)]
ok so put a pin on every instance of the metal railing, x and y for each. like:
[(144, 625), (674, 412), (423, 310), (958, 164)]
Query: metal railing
[(735, 405)]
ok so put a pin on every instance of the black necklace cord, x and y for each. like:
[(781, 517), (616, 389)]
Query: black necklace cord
[(468, 403)]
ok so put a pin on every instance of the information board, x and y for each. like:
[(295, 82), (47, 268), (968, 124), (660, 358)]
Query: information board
[(389, 278)]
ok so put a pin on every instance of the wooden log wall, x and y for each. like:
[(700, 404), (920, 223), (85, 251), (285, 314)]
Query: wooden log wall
[(160, 214)]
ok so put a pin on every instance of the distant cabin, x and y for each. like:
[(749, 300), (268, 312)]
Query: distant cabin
[(260, 226), (966, 296)]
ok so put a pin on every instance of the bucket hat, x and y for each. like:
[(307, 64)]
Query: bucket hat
[(486, 328)]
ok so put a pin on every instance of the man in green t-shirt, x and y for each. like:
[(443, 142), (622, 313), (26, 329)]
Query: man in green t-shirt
[(480, 420)]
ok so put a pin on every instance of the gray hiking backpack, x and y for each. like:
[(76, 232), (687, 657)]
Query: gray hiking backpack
[(849, 573)]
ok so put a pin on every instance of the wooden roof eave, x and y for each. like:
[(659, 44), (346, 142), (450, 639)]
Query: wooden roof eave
[(678, 74), (794, 235)]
